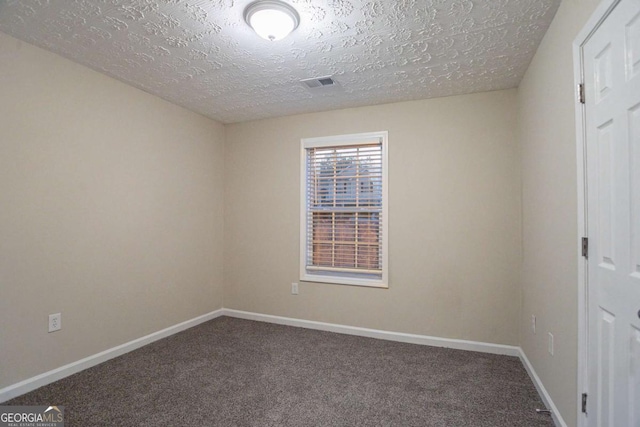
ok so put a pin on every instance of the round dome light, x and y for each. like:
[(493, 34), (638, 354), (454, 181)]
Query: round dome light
[(271, 19)]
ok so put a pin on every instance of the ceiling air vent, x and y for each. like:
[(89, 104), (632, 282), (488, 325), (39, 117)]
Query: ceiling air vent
[(318, 82)]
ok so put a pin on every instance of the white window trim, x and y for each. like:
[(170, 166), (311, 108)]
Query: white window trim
[(333, 141)]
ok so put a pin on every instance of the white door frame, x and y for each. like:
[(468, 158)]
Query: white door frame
[(599, 15)]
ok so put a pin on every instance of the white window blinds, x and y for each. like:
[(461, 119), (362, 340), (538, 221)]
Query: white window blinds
[(344, 215)]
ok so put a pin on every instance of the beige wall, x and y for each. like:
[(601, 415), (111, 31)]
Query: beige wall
[(454, 205), (546, 131), (111, 212), (112, 207)]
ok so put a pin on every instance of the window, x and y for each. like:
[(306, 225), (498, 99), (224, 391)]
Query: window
[(344, 210)]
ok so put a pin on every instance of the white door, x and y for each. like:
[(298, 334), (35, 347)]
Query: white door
[(612, 83)]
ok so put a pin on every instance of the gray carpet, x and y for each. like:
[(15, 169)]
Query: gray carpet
[(232, 372)]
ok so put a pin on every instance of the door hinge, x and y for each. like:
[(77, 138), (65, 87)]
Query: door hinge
[(581, 95), (585, 247), (584, 403)]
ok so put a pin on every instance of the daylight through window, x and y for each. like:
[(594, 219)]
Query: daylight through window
[(344, 209)]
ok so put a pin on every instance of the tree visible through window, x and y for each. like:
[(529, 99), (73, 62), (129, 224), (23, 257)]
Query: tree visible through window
[(343, 211)]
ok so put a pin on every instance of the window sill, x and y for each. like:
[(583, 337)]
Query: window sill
[(369, 283)]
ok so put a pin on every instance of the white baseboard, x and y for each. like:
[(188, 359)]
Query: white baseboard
[(414, 339), (375, 333), (544, 395), (38, 381)]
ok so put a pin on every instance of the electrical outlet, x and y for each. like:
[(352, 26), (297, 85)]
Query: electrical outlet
[(55, 322), (550, 343), (294, 289), (533, 323)]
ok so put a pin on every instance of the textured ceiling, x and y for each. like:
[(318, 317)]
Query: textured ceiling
[(200, 54)]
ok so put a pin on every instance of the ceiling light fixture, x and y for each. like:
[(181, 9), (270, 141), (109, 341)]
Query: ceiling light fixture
[(271, 19)]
